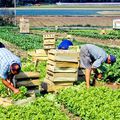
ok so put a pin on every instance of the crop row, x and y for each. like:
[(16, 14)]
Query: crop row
[(111, 34), (96, 103), (24, 41), (40, 109)]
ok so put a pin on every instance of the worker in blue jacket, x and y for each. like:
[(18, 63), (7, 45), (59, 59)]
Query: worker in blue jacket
[(64, 45)]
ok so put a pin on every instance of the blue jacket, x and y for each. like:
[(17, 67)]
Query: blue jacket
[(65, 44)]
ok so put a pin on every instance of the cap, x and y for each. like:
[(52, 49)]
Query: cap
[(69, 36), (112, 58)]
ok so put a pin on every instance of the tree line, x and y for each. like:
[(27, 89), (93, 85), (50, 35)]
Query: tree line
[(10, 3)]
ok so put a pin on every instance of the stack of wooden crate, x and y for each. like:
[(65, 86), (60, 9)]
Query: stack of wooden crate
[(27, 79), (39, 55), (62, 70), (24, 25), (49, 41)]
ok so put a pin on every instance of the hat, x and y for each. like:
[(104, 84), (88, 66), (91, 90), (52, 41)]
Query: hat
[(69, 36), (112, 58)]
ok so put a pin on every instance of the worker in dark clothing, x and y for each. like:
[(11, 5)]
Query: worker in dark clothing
[(91, 58), (64, 45)]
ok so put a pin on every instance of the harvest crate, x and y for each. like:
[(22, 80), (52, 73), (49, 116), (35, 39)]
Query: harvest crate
[(57, 77), (61, 69), (24, 25), (27, 79), (49, 86), (39, 55), (63, 55), (62, 64), (49, 41)]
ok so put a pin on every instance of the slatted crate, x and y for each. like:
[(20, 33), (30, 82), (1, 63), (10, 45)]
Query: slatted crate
[(24, 25), (27, 79), (62, 64), (39, 54), (50, 86), (49, 41), (64, 77), (63, 55)]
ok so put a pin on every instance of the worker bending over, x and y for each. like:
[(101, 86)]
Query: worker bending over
[(91, 58)]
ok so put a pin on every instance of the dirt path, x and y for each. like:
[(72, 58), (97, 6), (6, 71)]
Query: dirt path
[(40, 21), (109, 43)]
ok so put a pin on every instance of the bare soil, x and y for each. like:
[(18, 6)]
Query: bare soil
[(36, 21), (110, 42)]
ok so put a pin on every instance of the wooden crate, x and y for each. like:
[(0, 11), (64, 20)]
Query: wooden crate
[(28, 83), (49, 86), (49, 41), (27, 79), (24, 25), (57, 77), (39, 55), (48, 47), (27, 75), (76, 49), (62, 64), (61, 69), (63, 55)]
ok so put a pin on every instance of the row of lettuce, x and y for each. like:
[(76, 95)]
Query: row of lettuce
[(102, 34), (96, 103), (24, 41), (35, 41)]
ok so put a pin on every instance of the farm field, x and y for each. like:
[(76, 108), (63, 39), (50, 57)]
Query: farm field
[(39, 21), (75, 102)]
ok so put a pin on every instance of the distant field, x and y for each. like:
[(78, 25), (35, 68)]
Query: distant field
[(37, 21)]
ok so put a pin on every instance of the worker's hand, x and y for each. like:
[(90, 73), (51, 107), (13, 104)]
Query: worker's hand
[(9, 82), (16, 91)]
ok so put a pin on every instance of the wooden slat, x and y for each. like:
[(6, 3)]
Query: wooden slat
[(57, 77), (39, 58), (64, 83), (38, 53), (63, 64), (49, 86), (49, 41), (42, 52), (62, 74), (63, 55), (49, 46), (26, 75), (48, 36), (63, 69), (35, 82)]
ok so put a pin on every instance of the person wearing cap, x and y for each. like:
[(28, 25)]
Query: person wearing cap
[(10, 65), (91, 58), (64, 45)]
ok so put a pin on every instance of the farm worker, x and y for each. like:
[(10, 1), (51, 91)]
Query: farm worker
[(91, 58), (64, 45), (10, 65)]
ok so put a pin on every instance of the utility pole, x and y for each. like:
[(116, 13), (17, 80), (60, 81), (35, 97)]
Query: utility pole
[(15, 12)]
